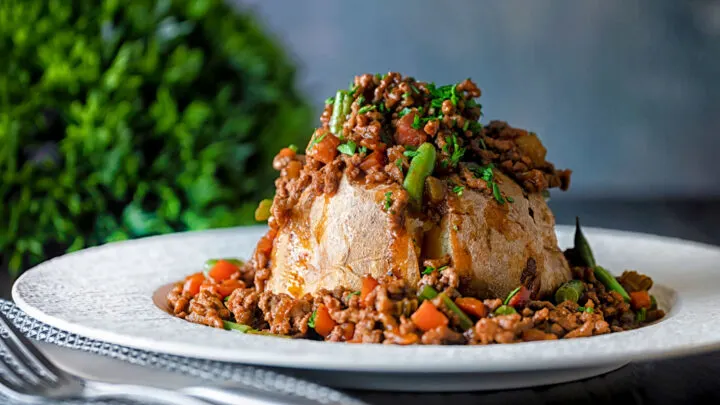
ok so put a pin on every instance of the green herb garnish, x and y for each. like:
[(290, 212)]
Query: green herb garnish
[(458, 152), (317, 140), (293, 148), (329, 100), (458, 190), (466, 125), (347, 148), (428, 270), (311, 321), (496, 193), (416, 122), (415, 89), (388, 200), (510, 199), (366, 108), (354, 293), (410, 153), (363, 149), (398, 163), (361, 100), (405, 111)]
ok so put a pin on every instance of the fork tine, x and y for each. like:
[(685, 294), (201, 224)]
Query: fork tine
[(27, 354), (9, 378)]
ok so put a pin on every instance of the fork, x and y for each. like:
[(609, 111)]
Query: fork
[(28, 376)]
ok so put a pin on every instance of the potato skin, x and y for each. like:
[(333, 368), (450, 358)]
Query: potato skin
[(492, 244), (332, 241)]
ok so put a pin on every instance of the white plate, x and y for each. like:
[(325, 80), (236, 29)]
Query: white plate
[(106, 293)]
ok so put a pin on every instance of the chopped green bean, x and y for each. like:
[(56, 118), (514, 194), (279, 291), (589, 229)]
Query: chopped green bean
[(570, 291), (427, 293), (653, 302), (263, 211), (642, 315), (610, 282), (463, 320), (337, 118), (505, 310), (421, 166), (236, 326)]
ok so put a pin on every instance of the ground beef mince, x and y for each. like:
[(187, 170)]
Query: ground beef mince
[(369, 134)]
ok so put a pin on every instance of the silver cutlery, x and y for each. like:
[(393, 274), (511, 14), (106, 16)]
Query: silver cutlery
[(27, 375)]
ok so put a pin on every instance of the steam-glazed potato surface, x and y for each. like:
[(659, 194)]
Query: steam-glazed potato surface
[(494, 247), (497, 247), (333, 241)]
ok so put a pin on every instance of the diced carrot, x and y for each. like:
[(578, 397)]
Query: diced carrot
[(349, 332), (427, 317), (324, 324), (286, 152), (368, 285), (222, 270), (228, 286), (472, 306), (520, 299), (374, 160), (193, 283), (640, 299), (324, 150)]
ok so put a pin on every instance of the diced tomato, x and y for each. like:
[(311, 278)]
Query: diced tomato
[(520, 299), (427, 317), (374, 160), (640, 299), (222, 270), (324, 324), (228, 286), (193, 283), (324, 150), (472, 306), (406, 135), (368, 285)]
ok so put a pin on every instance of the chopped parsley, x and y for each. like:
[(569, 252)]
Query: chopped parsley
[(363, 149), (348, 148), (510, 199), (458, 152), (458, 190), (442, 268), (317, 140), (428, 270), (361, 100), (353, 89), (410, 153), (405, 111), (415, 89), (382, 107), (486, 173), (311, 321), (398, 163), (330, 100), (292, 148), (354, 293), (466, 125), (442, 93), (378, 76), (406, 95), (366, 108), (417, 122), (388, 200)]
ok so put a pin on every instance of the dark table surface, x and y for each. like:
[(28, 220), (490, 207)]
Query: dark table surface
[(693, 379)]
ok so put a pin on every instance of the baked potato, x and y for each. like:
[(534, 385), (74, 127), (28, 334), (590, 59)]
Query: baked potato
[(332, 241)]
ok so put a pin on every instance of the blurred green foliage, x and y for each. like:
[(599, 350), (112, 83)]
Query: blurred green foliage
[(124, 119)]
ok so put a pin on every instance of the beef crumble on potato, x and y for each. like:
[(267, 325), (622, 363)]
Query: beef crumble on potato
[(406, 221)]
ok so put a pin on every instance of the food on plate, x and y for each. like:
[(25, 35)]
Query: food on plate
[(407, 221)]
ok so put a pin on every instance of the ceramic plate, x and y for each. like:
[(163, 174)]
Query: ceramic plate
[(107, 293)]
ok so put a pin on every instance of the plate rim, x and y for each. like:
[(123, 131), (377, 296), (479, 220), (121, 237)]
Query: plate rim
[(510, 364)]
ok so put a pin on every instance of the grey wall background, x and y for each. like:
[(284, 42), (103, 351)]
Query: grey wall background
[(624, 92)]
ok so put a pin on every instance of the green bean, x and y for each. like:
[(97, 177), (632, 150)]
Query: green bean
[(570, 291), (642, 315), (582, 247), (428, 293), (653, 302), (505, 310), (337, 118), (610, 282), (464, 321), (262, 212), (236, 326), (421, 167)]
